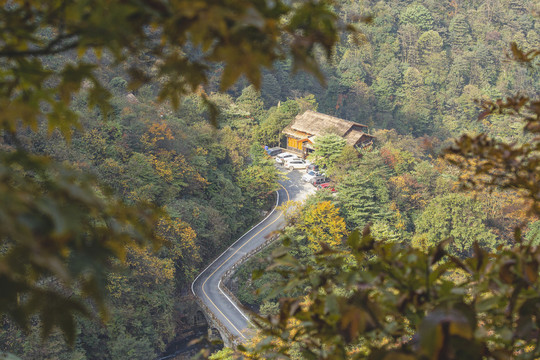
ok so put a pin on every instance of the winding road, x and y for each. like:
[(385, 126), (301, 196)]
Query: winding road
[(207, 286)]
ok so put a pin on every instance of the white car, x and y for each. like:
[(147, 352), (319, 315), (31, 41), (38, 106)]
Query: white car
[(280, 158), (296, 164), (289, 159), (307, 177)]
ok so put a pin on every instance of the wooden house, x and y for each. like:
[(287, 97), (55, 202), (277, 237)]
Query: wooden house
[(305, 128)]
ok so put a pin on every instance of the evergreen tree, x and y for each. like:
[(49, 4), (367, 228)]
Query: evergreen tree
[(416, 110), (457, 216), (460, 33), (386, 87), (327, 149), (250, 101), (418, 16), (270, 90), (351, 69), (363, 199)]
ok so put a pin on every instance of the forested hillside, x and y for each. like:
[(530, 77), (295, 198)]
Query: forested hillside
[(412, 74), (419, 65), (208, 183), (418, 75), (407, 194), (422, 74)]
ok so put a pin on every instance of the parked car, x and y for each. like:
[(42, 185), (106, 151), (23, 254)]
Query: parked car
[(312, 167), (274, 151), (307, 177), (280, 158), (318, 180), (296, 164), (287, 159), (326, 186)]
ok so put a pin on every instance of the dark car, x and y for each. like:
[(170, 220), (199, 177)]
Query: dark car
[(312, 167), (318, 180), (274, 151)]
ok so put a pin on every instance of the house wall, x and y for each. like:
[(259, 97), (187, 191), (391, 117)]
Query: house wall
[(364, 142), (294, 144)]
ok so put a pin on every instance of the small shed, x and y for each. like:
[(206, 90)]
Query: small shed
[(307, 126)]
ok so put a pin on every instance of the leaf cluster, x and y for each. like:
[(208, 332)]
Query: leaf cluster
[(395, 303), (182, 39), (491, 163), (379, 300), (57, 240)]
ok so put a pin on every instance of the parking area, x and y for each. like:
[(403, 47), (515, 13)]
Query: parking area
[(298, 189), (302, 174)]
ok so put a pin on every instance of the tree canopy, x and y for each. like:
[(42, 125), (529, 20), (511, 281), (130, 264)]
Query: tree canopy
[(106, 153), (60, 227), (175, 43), (385, 300)]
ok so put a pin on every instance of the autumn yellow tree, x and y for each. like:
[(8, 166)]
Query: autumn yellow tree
[(323, 226), (181, 246)]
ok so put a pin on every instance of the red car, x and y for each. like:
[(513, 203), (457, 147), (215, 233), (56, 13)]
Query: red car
[(326, 186)]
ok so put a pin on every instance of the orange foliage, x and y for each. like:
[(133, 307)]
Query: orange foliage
[(173, 167), (158, 132), (181, 239), (388, 156), (506, 209), (400, 224), (409, 190)]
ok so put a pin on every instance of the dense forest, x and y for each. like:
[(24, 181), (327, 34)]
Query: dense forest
[(413, 73), (419, 66), (210, 183)]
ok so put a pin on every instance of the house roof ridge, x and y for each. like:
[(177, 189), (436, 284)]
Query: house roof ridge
[(322, 115)]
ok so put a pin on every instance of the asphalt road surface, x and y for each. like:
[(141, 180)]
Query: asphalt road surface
[(207, 285)]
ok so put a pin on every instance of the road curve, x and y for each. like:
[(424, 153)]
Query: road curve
[(207, 285)]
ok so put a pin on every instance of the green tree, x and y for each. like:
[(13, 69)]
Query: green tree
[(459, 30), (269, 130), (363, 198), (142, 309), (457, 216), (386, 86), (251, 102), (418, 16), (327, 149), (259, 179), (459, 75), (351, 68), (429, 43), (416, 108), (270, 90), (408, 36)]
